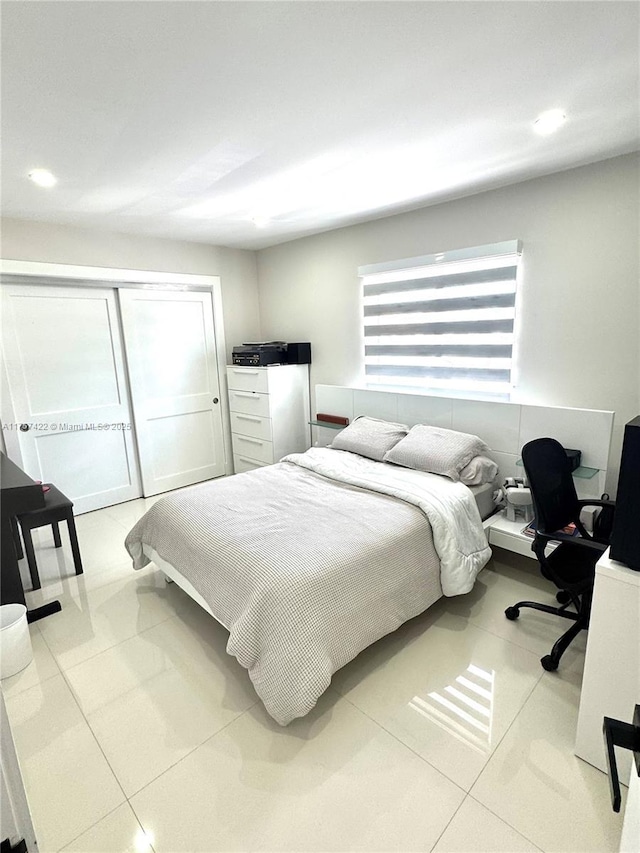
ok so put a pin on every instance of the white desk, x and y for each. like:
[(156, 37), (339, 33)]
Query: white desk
[(611, 681), (630, 841)]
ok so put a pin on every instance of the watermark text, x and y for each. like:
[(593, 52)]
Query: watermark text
[(59, 426)]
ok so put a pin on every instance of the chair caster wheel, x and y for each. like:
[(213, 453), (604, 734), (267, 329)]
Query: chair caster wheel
[(549, 663), (512, 613), (563, 597)]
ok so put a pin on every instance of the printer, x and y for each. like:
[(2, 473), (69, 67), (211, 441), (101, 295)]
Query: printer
[(271, 352)]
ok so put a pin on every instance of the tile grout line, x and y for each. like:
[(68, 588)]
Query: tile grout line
[(75, 838), (77, 704), (108, 648), (449, 822), (190, 752), (469, 792), (508, 729), (428, 763), (93, 735), (62, 672), (136, 634), (506, 822), (127, 799), (500, 637), (402, 743)]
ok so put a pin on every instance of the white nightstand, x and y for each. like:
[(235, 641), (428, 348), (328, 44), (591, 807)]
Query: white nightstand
[(508, 534)]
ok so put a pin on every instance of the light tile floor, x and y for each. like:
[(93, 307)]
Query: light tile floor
[(137, 732)]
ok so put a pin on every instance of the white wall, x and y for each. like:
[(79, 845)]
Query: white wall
[(60, 244), (578, 343)]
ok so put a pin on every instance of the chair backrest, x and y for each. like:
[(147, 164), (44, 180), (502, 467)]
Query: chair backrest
[(549, 474)]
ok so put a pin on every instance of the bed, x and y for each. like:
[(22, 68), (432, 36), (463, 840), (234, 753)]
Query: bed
[(309, 561)]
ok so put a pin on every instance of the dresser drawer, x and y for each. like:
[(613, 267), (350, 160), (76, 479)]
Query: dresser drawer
[(248, 379), (249, 403), (252, 425), (252, 448), (243, 463)]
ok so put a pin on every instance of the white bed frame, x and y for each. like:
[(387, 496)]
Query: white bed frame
[(504, 426), (172, 575)]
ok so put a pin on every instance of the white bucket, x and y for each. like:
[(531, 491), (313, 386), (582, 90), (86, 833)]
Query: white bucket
[(15, 640)]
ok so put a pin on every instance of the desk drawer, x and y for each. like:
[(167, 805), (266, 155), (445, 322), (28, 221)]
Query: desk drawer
[(243, 463), (252, 448), (253, 425), (249, 403), (248, 379)]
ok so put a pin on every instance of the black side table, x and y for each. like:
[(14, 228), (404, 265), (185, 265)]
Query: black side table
[(18, 494), (57, 507)]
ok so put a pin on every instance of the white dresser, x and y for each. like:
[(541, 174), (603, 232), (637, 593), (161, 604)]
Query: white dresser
[(269, 410)]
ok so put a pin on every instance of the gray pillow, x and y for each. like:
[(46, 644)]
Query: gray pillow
[(479, 471), (369, 437), (436, 450)]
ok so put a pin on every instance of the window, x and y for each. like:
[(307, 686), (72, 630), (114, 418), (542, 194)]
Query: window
[(443, 323)]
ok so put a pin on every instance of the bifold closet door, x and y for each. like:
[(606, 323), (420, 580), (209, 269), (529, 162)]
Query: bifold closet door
[(70, 422), (171, 356)]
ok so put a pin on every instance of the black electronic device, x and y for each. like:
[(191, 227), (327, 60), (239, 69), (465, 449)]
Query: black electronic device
[(625, 537), (299, 353), (574, 457), (260, 354), (271, 352)]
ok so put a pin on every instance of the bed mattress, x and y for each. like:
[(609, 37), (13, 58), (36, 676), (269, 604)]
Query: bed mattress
[(483, 496)]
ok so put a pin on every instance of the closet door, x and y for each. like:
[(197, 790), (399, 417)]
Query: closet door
[(68, 419), (171, 355)]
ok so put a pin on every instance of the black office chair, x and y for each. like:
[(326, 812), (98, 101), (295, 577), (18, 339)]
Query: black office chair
[(571, 565)]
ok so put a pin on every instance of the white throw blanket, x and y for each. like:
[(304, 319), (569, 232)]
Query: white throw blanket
[(458, 535)]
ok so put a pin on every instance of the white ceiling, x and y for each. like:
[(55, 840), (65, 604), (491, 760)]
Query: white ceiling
[(192, 120)]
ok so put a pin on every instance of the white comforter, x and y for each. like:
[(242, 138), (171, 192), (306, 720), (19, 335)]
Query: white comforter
[(309, 561), (458, 535)]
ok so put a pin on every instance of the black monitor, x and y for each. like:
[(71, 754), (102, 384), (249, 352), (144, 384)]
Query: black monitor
[(625, 537)]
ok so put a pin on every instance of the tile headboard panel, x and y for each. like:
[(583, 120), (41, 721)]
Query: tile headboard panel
[(504, 426)]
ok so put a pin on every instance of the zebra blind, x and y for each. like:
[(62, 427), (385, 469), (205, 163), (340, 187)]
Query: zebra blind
[(442, 322)]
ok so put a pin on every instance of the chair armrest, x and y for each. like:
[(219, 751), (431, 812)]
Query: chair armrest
[(574, 540), (595, 502)]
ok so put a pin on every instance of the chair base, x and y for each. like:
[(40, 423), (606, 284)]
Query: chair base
[(580, 621)]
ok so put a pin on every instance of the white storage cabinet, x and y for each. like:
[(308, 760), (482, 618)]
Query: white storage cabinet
[(269, 411)]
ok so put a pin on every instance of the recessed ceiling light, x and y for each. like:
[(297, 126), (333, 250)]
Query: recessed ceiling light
[(260, 221), (549, 122), (43, 177)]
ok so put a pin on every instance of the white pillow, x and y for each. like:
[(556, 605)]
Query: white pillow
[(479, 471), (369, 437), (436, 450)]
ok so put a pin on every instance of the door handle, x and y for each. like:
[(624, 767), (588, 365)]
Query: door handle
[(626, 736), (24, 427)]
